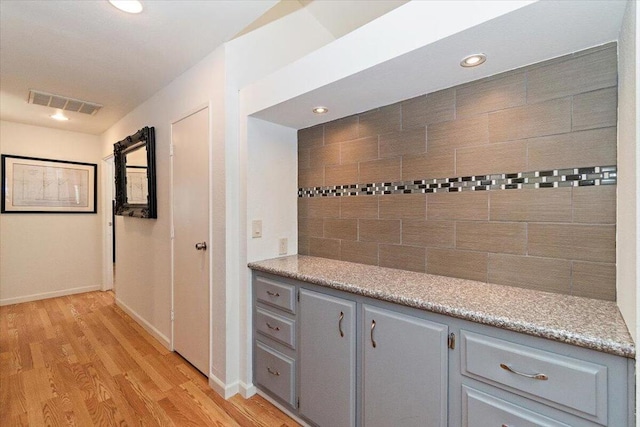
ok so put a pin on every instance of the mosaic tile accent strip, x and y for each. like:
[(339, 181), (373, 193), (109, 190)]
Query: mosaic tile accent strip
[(576, 177)]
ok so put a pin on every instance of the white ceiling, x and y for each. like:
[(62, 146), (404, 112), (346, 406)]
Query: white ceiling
[(89, 50), (534, 33)]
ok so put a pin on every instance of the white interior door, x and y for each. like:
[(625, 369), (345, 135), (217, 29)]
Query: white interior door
[(190, 139)]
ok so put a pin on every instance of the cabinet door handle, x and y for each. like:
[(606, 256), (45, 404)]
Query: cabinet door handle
[(340, 324), (542, 377), (373, 326), (275, 328), (273, 294), (276, 373)]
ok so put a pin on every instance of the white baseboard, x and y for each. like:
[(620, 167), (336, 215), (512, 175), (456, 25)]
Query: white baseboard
[(146, 325), (47, 295), (247, 390), (282, 408), (224, 390)]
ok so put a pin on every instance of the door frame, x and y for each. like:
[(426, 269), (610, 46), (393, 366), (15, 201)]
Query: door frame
[(183, 116), (107, 217)]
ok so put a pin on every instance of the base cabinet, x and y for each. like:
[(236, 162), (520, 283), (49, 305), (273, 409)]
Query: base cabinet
[(405, 370), (327, 359), (335, 359)]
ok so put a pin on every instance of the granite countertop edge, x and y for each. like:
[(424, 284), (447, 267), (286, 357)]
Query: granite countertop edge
[(620, 347)]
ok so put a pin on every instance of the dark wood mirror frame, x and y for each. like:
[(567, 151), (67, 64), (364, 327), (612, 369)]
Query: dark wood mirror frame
[(145, 137)]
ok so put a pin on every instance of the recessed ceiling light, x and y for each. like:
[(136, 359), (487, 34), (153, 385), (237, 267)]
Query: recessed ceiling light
[(59, 116), (473, 60), (129, 6), (321, 110)]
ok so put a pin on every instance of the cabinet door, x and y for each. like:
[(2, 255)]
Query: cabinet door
[(405, 370), (327, 359)]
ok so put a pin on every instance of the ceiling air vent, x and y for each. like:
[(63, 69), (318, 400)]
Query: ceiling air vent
[(63, 103)]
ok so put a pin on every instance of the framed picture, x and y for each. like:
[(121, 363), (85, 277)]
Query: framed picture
[(33, 185)]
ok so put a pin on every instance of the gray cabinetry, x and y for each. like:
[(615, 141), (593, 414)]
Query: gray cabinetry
[(405, 370), (327, 359)]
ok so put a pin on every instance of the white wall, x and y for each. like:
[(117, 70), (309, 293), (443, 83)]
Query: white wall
[(143, 264), (47, 255), (628, 173)]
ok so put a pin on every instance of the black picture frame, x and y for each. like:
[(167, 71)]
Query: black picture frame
[(144, 138), (35, 185)]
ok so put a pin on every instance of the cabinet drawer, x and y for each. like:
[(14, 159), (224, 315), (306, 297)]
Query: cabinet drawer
[(573, 385), (277, 327), (481, 410), (276, 294), (275, 371)]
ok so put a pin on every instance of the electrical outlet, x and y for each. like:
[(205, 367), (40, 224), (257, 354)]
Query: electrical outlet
[(283, 246), (256, 228)]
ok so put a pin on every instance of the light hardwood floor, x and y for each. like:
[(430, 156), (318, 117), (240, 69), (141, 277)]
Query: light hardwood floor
[(81, 361)]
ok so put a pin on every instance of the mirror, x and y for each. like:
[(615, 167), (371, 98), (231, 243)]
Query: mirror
[(136, 175)]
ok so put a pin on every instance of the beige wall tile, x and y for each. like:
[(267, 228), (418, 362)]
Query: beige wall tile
[(433, 234), (412, 141), (501, 237), (596, 109), (359, 150), (311, 227), (303, 245), (529, 121), (539, 205), (345, 229), (468, 205), (312, 177), (303, 207), (441, 106), (491, 94), (402, 257), (325, 155), (341, 174), (577, 74), (384, 170), (398, 206), (433, 164), (594, 280), (453, 263), (340, 130), (364, 207), (493, 158), (382, 120), (324, 248), (324, 207), (360, 252), (381, 231), (414, 112), (545, 274), (311, 137), (588, 148), (572, 241), (458, 133), (304, 159), (595, 205)]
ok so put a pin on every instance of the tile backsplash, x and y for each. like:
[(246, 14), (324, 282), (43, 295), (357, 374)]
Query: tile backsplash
[(508, 179)]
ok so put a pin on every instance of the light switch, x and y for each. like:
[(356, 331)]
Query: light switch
[(282, 246), (256, 228)]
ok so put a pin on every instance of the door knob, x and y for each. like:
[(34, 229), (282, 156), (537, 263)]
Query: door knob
[(201, 246)]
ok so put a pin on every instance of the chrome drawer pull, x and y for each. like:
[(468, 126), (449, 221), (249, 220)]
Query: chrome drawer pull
[(276, 373), (340, 324), (275, 328), (542, 377), (273, 294), (373, 326)]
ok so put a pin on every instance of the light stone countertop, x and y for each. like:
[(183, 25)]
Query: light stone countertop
[(584, 322)]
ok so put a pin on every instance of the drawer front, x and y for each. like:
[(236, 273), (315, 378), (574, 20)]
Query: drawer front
[(482, 410), (276, 294), (275, 372), (277, 327), (571, 384)]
